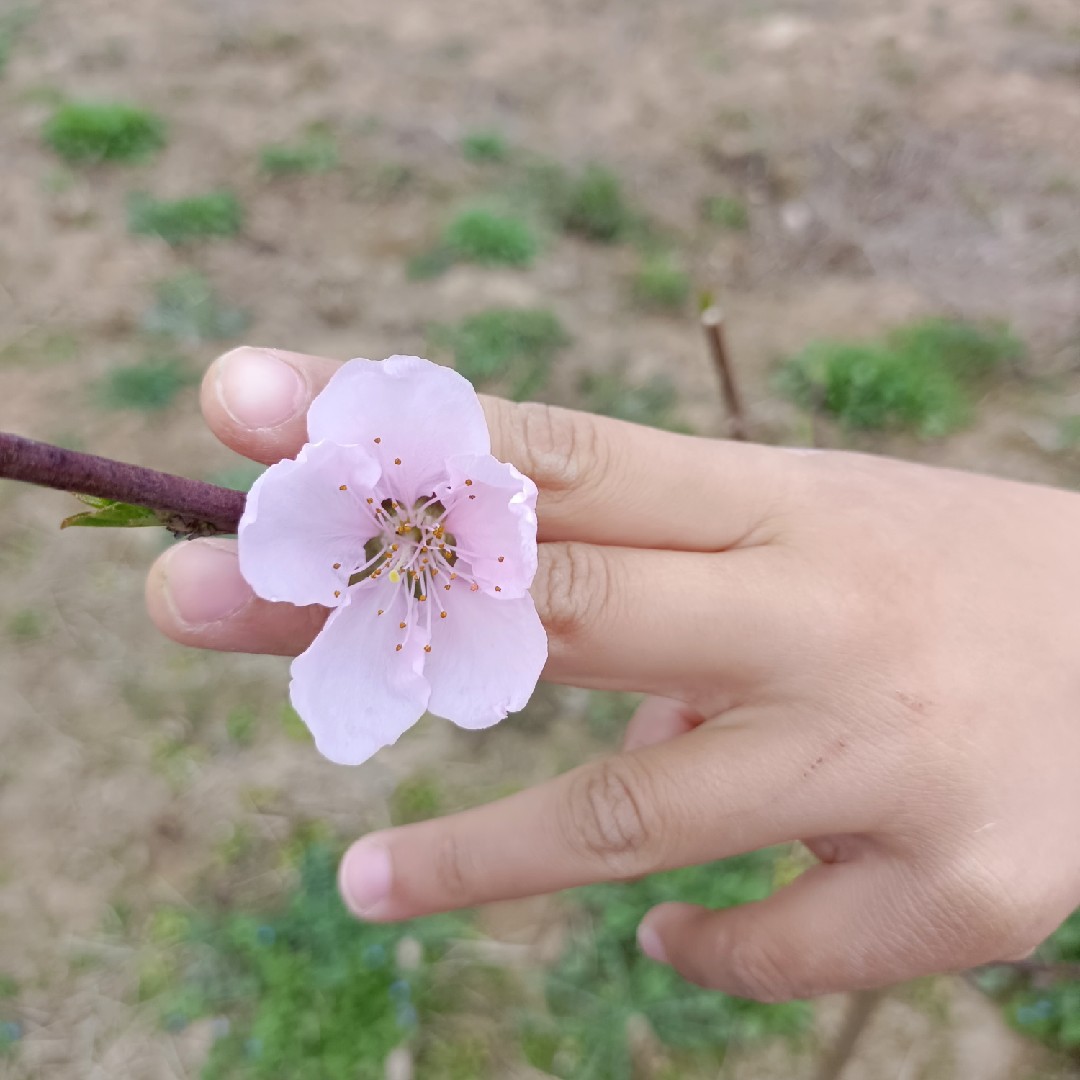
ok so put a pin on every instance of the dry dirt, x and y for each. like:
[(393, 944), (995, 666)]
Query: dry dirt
[(898, 157)]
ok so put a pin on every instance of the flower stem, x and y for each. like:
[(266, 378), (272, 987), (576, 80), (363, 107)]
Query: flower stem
[(712, 322), (191, 506)]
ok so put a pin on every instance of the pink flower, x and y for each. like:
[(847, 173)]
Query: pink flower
[(396, 515)]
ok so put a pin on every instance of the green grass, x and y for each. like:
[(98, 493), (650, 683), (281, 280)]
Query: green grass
[(306, 992), (507, 349), (918, 378), (661, 284), (186, 311), (416, 798), (1044, 1008), (181, 221), (12, 25), (595, 207), (485, 147), (727, 212), (603, 981), (491, 239), (654, 402), (147, 386), (317, 152), (87, 133)]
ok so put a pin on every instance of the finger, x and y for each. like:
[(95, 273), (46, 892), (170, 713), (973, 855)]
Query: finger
[(715, 792), (851, 926), (197, 596), (658, 719), (601, 480), (616, 618)]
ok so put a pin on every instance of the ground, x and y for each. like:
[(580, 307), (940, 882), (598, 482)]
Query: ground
[(885, 160)]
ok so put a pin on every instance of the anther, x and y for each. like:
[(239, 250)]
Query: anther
[(442, 614), (397, 648), (447, 588), (370, 501), (423, 597), (502, 558), (401, 626), (498, 588), (380, 611), (472, 496), (474, 587), (397, 461), (344, 487), (337, 592), (468, 483), (427, 648), (378, 439), (337, 566)]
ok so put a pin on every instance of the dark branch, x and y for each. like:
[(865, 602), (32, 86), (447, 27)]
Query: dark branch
[(199, 507)]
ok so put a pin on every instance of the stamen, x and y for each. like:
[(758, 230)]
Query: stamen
[(427, 648), (337, 593), (378, 438), (472, 588), (344, 487), (447, 588), (397, 648), (397, 461), (401, 626), (468, 483), (498, 588), (337, 566), (380, 611), (442, 614), (502, 558)]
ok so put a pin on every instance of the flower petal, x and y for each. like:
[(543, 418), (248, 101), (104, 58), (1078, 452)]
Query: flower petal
[(420, 412), (298, 522), (353, 688), (485, 658), (492, 517)]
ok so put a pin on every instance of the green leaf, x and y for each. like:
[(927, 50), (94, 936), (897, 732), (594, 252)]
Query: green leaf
[(109, 514)]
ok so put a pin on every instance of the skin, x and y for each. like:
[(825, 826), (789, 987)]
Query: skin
[(877, 658)]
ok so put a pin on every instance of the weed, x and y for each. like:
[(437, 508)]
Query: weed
[(727, 212), (485, 237), (595, 207), (150, 385), (303, 991), (485, 147), (180, 221), (187, 311), (654, 402), (603, 981), (91, 132), (241, 725), (661, 284), (415, 799), (26, 625), (317, 152), (918, 378), (510, 349)]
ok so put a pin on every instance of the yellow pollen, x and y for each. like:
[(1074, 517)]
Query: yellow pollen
[(337, 592), (423, 597), (401, 626), (393, 547), (397, 648), (397, 461), (395, 577), (370, 501), (468, 483), (498, 588), (473, 587), (427, 648), (344, 487), (442, 614), (380, 611), (453, 577)]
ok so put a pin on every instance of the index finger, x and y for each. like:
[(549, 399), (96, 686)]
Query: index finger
[(601, 480), (715, 792)]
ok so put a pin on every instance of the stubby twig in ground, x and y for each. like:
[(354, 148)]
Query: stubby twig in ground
[(185, 506), (712, 322)]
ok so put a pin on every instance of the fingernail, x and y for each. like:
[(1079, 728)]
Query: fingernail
[(203, 582), (365, 878), (650, 944), (258, 389)]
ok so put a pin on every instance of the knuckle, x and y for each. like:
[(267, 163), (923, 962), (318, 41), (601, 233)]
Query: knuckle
[(451, 870), (757, 970), (609, 818), (571, 590), (560, 447)]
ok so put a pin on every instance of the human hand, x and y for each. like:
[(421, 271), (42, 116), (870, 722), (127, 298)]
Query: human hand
[(878, 658)]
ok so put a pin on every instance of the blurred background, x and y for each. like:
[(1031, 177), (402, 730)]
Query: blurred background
[(883, 195)]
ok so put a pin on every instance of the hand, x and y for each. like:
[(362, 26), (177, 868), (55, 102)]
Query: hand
[(878, 658)]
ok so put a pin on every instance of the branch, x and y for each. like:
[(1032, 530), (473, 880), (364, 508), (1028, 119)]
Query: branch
[(187, 506), (712, 322)]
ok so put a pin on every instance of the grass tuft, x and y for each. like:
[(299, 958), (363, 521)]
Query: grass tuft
[(317, 152), (595, 207), (87, 133), (727, 212), (188, 312), (149, 386), (661, 284), (492, 239), (505, 349), (918, 378), (180, 221), (485, 147)]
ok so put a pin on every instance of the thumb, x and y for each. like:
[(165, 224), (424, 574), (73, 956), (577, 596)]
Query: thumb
[(835, 928)]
